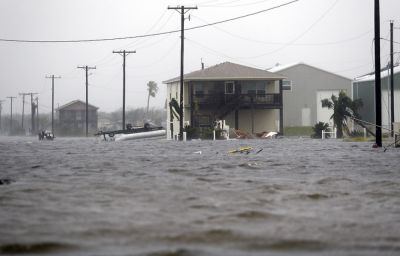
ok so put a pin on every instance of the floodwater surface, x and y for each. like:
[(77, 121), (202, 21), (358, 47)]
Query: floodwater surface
[(287, 196)]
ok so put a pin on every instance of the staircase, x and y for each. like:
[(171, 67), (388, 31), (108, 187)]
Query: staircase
[(225, 109)]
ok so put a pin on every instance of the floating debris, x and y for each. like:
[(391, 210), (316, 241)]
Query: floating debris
[(241, 150)]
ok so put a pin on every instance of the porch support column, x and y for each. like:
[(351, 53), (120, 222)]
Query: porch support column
[(281, 107), (252, 115), (191, 104), (236, 119)]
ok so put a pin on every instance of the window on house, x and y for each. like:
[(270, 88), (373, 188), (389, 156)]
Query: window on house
[(260, 88), (78, 115), (229, 87), (286, 85), (199, 90)]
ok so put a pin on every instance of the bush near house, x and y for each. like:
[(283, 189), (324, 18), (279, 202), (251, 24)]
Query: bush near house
[(318, 128)]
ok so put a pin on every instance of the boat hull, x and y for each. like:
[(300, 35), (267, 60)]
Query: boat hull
[(141, 135)]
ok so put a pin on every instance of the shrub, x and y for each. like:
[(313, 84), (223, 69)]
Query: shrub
[(318, 128)]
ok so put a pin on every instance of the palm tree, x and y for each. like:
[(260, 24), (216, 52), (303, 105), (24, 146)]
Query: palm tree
[(343, 108), (152, 88)]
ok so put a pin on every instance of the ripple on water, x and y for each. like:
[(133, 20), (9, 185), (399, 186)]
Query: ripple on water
[(35, 248), (173, 252), (158, 198)]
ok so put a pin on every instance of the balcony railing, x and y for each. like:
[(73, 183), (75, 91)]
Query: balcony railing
[(217, 100)]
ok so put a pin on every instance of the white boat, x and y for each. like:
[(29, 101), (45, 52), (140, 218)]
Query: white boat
[(132, 133), (140, 135)]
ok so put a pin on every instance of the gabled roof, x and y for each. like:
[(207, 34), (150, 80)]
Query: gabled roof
[(76, 105), (371, 76), (228, 71), (279, 68)]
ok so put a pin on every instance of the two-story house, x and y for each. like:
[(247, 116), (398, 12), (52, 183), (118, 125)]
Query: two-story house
[(72, 118), (247, 98)]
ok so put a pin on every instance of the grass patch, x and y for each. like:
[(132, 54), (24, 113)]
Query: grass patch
[(298, 131), (357, 139)]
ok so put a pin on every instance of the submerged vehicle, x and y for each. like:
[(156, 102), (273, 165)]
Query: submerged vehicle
[(46, 135), (148, 130)]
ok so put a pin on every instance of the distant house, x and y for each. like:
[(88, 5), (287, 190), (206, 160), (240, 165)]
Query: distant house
[(364, 88), (247, 98), (72, 118), (303, 91)]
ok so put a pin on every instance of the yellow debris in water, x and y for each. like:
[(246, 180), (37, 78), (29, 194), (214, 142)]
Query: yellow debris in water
[(241, 150)]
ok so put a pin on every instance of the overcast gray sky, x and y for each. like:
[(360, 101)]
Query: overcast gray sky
[(335, 35)]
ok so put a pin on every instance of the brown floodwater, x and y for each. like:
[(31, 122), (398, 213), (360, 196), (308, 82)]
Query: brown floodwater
[(289, 196)]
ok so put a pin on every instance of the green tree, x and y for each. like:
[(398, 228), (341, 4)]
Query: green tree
[(343, 108), (152, 88)]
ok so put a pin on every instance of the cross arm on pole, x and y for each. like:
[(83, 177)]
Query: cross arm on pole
[(122, 53)]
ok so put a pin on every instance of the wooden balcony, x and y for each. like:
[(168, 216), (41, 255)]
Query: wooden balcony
[(210, 101)]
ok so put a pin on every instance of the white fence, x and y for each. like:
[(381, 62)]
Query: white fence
[(333, 133)]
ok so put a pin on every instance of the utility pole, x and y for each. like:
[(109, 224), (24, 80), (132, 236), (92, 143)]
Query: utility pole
[(378, 99), (11, 118), (32, 112), (23, 108), (32, 109), (87, 68), (52, 101), (123, 54), (1, 108), (37, 114), (182, 10), (391, 79)]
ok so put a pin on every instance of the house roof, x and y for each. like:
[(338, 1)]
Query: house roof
[(76, 105), (278, 68), (371, 76), (228, 71)]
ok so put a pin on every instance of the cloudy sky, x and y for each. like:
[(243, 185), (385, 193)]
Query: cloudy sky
[(335, 35)]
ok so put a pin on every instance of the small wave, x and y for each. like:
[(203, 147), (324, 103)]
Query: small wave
[(209, 236), (250, 165), (251, 215), (274, 188), (173, 252), (6, 181), (292, 245), (44, 247), (178, 171), (316, 196), (330, 180)]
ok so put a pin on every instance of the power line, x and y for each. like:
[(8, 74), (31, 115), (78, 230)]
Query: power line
[(236, 5), (389, 40), (353, 38), (147, 35), (299, 36)]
